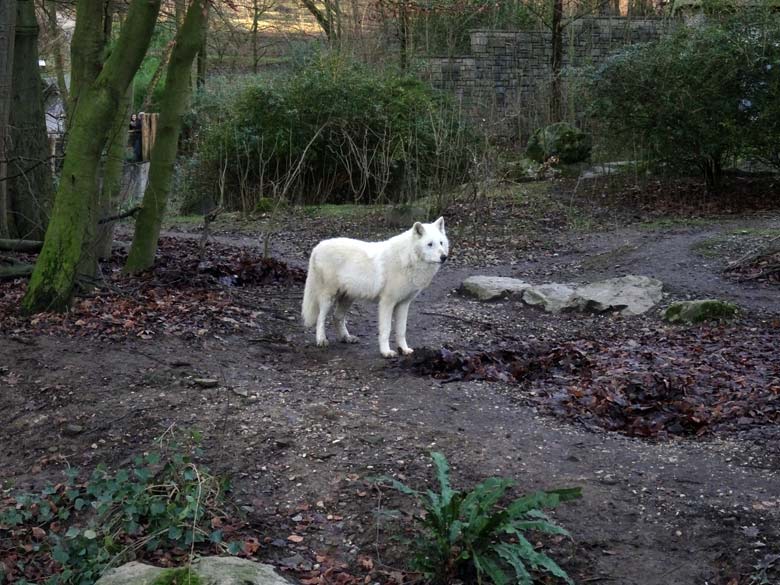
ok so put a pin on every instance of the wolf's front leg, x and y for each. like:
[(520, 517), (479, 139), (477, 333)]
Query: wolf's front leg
[(385, 323), (401, 314)]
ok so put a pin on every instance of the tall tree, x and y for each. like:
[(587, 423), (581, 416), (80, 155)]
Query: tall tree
[(173, 103), (56, 35), (203, 48), (113, 166), (30, 191), (556, 64), (180, 7), (7, 26), (70, 236), (324, 16)]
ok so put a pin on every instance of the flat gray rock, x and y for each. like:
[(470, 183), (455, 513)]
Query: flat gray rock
[(487, 288), (133, 573), (210, 571), (631, 295), (552, 297), (235, 571)]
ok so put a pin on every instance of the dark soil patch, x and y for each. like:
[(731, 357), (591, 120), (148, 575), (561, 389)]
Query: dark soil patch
[(643, 197)]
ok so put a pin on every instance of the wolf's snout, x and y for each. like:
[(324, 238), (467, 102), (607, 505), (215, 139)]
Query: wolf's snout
[(443, 258)]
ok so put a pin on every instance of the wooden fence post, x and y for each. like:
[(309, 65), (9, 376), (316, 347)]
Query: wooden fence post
[(148, 135)]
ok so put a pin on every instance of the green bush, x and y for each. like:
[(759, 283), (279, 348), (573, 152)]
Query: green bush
[(73, 531), (468, 534), (699, 98), (561, 140), (334, 132)]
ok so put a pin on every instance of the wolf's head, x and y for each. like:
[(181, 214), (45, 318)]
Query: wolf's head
[(430, 241)]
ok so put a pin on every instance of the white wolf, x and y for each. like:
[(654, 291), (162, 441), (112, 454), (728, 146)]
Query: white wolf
[(392, 272)]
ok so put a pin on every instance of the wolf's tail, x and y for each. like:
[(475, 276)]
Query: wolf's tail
[(311, 306)]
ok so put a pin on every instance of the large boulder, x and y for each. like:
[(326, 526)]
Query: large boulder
[(487, 288), (553, 297), (631, 295), (203, 571), (562, 140), (700, 311)]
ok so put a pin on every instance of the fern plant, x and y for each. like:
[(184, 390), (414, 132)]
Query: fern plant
[(469, 533)]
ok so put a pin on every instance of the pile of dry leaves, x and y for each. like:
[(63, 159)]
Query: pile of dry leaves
[(189, 292), (667, 381)]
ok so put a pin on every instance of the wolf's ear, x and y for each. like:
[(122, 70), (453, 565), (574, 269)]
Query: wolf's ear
[(439, 223), (418, 228)]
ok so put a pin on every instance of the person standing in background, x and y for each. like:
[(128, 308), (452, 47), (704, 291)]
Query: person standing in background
[(135, 136)]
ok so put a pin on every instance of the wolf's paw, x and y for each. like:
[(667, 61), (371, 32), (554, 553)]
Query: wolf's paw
[(322, 343), (389, 354), (406, 350), (349, 339)]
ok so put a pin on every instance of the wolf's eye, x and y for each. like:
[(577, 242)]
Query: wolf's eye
[(441, 243), (430, 244)]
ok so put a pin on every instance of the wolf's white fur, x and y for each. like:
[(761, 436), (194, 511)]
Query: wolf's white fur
[(392, 272)]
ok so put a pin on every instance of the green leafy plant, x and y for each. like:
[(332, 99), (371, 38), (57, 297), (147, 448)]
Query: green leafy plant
[(471, 534), (71, 532), (335, 131), (698, 99)]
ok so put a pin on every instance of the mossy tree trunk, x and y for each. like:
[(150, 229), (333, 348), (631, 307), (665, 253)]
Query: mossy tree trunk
[(174, 101), (70, 237), (30, 192), (7, 26), (87, 49), (113, 165), (180, 7)]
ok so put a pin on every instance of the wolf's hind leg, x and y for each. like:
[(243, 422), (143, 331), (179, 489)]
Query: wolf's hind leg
[(343, 303), (326, 302)]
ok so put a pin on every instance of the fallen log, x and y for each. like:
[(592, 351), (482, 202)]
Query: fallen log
[(17, 270), (21, 245)]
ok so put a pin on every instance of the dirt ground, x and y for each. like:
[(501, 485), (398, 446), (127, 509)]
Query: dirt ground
[(301, 430)]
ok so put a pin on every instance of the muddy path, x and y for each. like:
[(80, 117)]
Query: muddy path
[(303, 429), (670, 252)]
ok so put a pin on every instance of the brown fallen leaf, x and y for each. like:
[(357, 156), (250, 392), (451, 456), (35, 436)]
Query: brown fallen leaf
[(38, 533)]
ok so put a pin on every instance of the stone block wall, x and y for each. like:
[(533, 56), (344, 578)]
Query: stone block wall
[(505, 79)]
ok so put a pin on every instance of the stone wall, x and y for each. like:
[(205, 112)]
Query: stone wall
[(506, 78)]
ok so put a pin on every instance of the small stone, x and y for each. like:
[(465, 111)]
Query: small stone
[(206, 382), (72, 429)]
